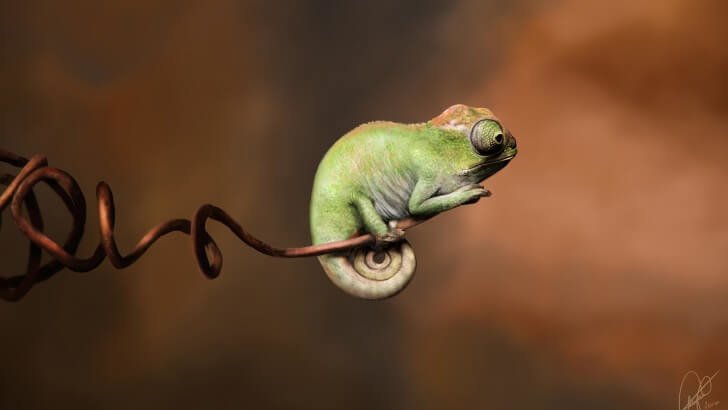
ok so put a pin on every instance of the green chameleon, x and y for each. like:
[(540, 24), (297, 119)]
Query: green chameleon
[(382, 172)]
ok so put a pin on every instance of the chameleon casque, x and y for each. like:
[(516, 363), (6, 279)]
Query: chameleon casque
[(381, 172)]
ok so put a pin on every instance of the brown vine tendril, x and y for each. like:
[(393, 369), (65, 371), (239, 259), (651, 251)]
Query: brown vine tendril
[(19, 192)]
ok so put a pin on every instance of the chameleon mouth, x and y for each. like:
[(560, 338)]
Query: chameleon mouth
[(506, 156)]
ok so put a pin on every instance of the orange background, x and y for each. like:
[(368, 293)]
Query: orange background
[(595, 277)]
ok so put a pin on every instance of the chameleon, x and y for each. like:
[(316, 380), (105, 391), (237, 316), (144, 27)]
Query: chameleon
[(382, 172)]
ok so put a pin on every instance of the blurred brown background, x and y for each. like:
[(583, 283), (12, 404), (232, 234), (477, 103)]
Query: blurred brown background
[(595, 277)]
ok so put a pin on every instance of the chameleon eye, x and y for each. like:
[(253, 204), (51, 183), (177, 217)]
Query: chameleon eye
[(487, 137)]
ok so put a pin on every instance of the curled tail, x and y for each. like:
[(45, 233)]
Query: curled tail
[(370, 274)]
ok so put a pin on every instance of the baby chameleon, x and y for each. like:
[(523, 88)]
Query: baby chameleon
[(382, 172)]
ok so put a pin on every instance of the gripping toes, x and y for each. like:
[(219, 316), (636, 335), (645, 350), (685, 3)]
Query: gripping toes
[(392, 235), (474, 192)]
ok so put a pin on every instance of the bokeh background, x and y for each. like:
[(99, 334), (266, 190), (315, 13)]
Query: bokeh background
[(595, 277)]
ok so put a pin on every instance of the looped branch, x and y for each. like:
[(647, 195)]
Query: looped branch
[(19, 193)]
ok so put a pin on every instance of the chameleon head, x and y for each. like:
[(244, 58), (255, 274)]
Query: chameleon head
[(477, 144)]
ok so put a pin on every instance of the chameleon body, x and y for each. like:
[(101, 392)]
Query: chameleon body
[(381, 172)]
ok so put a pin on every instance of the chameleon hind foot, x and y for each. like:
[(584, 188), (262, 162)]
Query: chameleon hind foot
[(392, 235)]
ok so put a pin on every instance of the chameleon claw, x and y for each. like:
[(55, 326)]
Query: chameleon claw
[(482, 193)]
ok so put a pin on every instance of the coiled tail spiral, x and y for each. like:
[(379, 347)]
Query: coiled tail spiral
[(369, 273)]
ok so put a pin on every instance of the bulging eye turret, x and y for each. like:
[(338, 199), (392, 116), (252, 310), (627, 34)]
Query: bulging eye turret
[(487, 137)]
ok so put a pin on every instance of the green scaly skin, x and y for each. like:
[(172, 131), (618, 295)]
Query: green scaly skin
[(381, 172)]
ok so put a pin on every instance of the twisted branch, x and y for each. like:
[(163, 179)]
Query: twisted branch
[(19, 192)]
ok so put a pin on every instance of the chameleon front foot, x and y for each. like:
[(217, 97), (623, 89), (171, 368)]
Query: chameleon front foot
[(475, 192)]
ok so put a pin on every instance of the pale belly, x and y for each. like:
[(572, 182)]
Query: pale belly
[(390, 195)]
